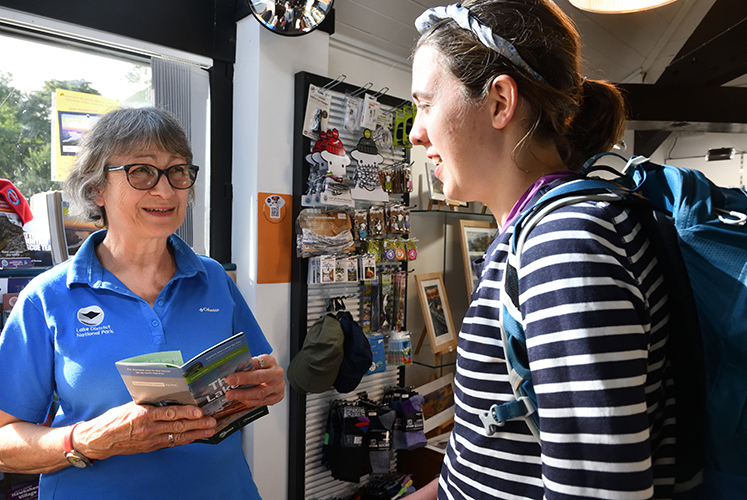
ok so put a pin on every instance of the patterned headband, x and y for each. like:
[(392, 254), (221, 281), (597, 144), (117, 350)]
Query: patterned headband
[(462, 16)]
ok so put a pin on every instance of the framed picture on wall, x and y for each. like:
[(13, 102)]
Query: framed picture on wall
[(436, 188), (476, 238), (438, 402), (436, 312)]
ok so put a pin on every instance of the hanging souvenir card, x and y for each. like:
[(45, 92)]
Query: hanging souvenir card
[(367, 183)]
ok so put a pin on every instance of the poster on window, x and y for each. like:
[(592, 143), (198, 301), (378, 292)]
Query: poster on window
[(73, 113)]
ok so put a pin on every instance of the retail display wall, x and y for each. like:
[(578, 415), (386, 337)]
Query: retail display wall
[(308, 477)]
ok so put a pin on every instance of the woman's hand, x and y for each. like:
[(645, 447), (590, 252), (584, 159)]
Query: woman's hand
[(268, 381), (132, 428)]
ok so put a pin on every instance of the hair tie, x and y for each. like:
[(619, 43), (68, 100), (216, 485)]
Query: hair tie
[(486, 36)]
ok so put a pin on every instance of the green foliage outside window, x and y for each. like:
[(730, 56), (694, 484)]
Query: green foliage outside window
[(25, 131), (25, 128)]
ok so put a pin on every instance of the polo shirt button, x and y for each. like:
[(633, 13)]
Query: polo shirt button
[(160, 303), (154, 322)]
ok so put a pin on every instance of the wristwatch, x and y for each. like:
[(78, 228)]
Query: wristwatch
[(76, 458)]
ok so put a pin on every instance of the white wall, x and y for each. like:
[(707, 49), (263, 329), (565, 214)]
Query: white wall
[(688, 149), (263, 162)]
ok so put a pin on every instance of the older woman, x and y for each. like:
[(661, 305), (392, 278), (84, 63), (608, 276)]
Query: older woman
[(147, 291)]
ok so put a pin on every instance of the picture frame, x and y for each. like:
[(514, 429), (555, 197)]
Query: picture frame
[(436, 188), (436, 312), (476, 238), (439, 443), (438, 402)]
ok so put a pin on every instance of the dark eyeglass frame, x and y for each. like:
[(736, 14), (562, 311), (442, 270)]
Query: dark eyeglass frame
[(166, 172)]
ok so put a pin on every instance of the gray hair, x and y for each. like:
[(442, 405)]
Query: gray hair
[(119, 132)]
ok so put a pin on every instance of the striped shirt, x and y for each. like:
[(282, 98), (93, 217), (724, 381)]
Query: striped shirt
[(595, 314)]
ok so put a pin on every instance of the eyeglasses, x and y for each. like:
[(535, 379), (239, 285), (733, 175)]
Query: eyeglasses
[(143, 176)]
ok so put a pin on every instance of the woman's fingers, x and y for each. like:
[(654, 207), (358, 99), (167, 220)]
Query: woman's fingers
[(267, 381), (131, 428)]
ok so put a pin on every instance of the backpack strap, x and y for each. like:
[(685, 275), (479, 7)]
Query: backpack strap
[(513, 338)]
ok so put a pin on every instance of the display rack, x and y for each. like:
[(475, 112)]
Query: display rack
[(307, 477)]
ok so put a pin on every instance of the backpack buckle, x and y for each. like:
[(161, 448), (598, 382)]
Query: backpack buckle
[(497, 415)]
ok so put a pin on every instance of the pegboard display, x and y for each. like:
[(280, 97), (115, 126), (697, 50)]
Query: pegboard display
[(352, 157)]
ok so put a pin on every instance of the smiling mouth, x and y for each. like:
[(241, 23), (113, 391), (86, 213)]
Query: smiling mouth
[(159, 210)]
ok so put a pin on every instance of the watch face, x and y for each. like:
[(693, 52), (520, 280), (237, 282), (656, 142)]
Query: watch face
[(77, 460)]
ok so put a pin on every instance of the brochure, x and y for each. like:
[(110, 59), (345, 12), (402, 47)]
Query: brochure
[(162, 379)]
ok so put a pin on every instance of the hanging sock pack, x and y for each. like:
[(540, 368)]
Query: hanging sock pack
[(344, 451), (407, 432)]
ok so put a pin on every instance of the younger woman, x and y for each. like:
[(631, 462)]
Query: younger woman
[(505, 114)]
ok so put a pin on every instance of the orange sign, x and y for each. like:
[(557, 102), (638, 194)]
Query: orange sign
[(275, 232)]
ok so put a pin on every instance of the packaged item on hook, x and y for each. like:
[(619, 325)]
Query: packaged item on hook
[(373, 247), (360, 223), (399, 349), (352, 269), (367, 305), (402, 124), (321, 232), (344, 451), (411, 246), (313, 275), (327, 268), (408, 429), (353, 107), (400, 292), (382, 136), (341, 269), (367, 266), (378, 352), (400, 250), (390, 250), (386, 300), (376, 221), (369, 112), (317, 112)]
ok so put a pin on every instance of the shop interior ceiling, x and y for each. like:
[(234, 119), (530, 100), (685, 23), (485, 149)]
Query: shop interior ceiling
[(683, 66)]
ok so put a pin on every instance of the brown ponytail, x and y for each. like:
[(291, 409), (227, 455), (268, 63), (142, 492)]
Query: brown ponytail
[(598, 125)]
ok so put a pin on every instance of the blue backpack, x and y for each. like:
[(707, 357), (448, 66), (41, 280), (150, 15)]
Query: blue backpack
[(699, 231)]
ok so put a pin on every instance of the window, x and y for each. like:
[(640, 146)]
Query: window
[(35, 63), (31, 71)]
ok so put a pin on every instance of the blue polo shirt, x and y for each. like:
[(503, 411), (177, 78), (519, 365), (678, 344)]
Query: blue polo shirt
[(69, 327)]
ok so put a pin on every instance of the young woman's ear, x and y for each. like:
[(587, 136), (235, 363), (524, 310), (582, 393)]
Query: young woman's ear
[(503, 98)]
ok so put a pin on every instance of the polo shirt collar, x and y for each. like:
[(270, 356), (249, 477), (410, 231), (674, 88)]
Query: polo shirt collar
[(85, 267)]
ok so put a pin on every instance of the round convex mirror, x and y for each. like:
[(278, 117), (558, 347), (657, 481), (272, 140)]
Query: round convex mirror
[(290, 17)]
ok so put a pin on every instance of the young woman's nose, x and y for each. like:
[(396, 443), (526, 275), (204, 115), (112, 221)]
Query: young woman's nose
[(418, 134)]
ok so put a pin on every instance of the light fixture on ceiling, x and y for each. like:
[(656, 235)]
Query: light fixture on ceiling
[(618, 6), (716, 154)]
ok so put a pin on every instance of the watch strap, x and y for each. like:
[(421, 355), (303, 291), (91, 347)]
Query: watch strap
[(69, 439), (68, 444)]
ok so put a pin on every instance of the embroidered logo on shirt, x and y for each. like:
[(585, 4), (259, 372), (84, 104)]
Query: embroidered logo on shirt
[(91, 316), (209, 310)]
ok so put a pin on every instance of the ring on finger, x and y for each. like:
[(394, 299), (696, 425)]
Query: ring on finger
[(261, 362), (171, 439)]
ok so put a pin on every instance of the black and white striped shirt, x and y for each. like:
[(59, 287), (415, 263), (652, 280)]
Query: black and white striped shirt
[(595, 315)]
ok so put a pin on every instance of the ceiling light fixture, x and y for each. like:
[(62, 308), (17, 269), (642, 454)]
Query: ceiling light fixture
[(618, 6)]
